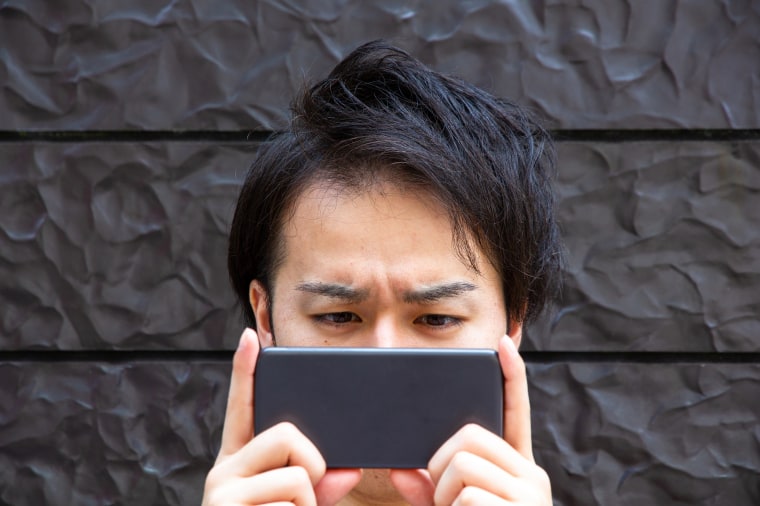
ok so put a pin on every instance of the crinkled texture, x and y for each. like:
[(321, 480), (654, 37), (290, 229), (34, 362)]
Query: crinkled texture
[(148, 432), (663, 248), (118, 245), (183, 65), (90, 433), (123, 246), (628, 434)]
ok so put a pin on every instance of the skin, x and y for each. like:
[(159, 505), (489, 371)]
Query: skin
[(377, 268)]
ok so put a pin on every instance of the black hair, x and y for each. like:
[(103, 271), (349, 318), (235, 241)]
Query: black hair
[(487, 162)]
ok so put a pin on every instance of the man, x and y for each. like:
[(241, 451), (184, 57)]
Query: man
[(402, 208)]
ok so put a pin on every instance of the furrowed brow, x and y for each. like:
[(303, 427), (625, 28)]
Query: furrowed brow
[(334, 291), (433, 294)]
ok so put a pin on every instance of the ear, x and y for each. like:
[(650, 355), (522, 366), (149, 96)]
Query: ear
[(259, 300), (514, 332)]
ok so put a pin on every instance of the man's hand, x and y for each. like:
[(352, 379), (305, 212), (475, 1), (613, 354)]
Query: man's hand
[(280, 465), (477, 467)]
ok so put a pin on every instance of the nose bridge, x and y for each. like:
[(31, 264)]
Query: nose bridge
[(386, 333)]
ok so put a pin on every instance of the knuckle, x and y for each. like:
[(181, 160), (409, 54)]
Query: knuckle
[(300, 486), (470, 430), (464, 437), (300, 476), (210, 496), (544, 480), (461, 461), (286, 426), (286, 432), (539, 475), (213, 487), (468, 496), (540, 485), (320, 466), (211, 479)]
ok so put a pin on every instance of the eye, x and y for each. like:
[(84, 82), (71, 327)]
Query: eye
[(438, 320), (337, 318)]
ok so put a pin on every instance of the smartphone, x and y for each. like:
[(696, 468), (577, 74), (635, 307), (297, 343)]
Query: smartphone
[(378, 407)]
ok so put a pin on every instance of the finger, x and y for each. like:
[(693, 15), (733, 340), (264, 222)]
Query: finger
[(471, 495), (335, 485), (516, 403), (476, 440), (286, 484), (238, 420), (279, 446), (470, 470), (414, 485)]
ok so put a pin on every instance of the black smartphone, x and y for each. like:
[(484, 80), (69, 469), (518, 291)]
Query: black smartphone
[(378, 407)]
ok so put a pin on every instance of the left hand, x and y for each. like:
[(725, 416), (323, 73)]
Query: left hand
[(476, 466)]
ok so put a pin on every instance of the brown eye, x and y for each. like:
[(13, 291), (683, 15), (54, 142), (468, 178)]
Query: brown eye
[(438, 320), (338, 318)]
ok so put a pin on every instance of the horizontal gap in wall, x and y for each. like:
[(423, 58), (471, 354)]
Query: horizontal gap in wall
[(116, 356), (582, 135), (134, 136), (534, 357), (667, 135), (642, 357)]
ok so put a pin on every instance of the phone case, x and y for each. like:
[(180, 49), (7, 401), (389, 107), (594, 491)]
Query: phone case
[(378, 407)]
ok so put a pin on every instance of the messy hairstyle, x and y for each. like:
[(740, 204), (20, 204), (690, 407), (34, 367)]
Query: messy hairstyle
[(383, 114)]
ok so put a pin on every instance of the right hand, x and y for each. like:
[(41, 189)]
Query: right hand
[(476, 466), (280, 465)]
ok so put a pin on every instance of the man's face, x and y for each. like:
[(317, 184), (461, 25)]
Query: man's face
[(378, 268)]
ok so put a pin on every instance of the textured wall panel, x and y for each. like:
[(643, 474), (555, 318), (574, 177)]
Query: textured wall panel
[(117, 245), (667, 434), (663, 243), (82, 64), (123, 245), (147, 433), (81, 433)]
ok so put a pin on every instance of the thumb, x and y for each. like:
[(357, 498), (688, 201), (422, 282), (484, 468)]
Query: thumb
[(414, 485), (238, 421), (516, 402), (335, 485)]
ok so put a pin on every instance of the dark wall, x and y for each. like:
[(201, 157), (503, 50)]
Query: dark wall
[(127, 129)]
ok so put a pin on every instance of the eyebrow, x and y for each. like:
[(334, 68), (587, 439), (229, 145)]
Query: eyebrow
[(426, 295), (334, 291), (433, 294)]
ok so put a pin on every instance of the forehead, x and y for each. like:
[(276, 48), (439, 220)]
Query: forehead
[(329, 201), (381, 216), (327, 206)]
